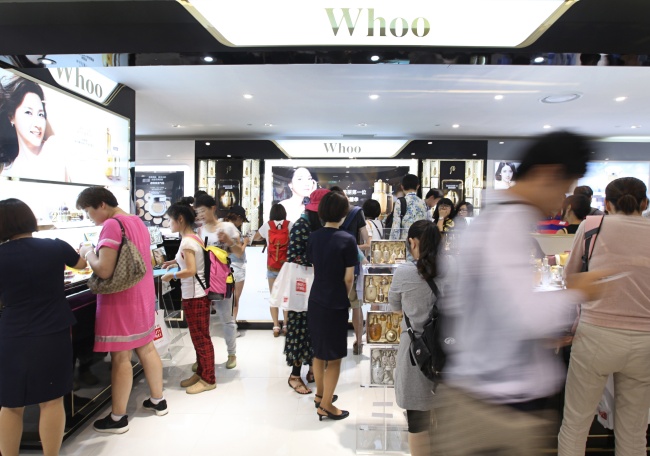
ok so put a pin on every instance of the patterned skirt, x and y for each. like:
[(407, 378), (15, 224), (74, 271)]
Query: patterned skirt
[(297, 345)]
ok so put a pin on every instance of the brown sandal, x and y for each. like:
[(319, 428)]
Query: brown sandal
[(301, 384), (310, 377)]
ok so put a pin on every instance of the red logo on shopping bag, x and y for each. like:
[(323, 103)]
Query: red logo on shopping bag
[(157, 333), (301, 286), (603, 414)]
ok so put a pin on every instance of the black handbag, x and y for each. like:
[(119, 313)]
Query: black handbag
[(426, 350)]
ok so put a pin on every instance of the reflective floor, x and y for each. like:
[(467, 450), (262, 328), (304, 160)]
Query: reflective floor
[(252, 411)]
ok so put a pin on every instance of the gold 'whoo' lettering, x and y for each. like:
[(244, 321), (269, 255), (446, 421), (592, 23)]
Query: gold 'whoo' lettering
[(398, 26)]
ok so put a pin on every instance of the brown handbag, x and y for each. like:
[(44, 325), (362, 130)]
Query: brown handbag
[(129, 269)]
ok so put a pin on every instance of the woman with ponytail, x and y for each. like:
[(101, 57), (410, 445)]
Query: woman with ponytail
[(410, 293), (613, 333)]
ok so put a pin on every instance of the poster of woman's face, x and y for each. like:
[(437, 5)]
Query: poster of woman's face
[(505, 175), (50, 135)]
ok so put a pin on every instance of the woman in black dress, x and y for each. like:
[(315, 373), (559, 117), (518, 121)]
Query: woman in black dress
[(35, 343), (333, 253)]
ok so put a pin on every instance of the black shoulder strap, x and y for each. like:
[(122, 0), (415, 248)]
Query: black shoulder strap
[(589, 235), (432, 314), (402, 209)]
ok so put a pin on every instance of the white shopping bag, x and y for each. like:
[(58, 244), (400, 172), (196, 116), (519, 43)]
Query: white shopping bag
[(301, 279), (161, 338), (605, 410), (280, 289)]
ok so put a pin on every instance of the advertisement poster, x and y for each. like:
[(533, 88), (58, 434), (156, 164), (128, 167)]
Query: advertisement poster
[(505, 174), (452, 177), (292, 186), (154, 193), (50, 135)]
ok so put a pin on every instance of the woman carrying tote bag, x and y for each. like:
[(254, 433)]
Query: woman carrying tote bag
[(125, 320)]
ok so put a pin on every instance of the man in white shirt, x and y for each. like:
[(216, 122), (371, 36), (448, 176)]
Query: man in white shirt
[(431, 199), (503, 365)]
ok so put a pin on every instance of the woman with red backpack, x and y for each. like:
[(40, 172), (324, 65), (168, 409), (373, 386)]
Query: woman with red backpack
[(276, 232)]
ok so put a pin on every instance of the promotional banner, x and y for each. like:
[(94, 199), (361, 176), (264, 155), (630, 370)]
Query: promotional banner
[(155, 192), (50, 135)]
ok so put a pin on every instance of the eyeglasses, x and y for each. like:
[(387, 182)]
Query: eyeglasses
[(463, 210), (444, 206)]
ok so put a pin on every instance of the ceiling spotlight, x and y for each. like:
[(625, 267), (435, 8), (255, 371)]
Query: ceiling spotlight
[(248, 96), (546, 127), (362, 124), (498, 97), (168, 156), (455, 126), (208, 59), (501, 142), (176, 125), (634, 127), (620, 98), (607, 159), (538, 59), (46, 61), (412, 153), (375, 58), (347, 172), (268, 124), (374, 97), (229, 156), (561, 98), (207, 144), (430, 142)]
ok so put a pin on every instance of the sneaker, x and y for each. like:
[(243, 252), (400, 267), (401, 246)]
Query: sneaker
[(159, 409), (200, 387), (195, 367), (110, 426), (190, 381), (238, 334), (232, 362), (213, 311)]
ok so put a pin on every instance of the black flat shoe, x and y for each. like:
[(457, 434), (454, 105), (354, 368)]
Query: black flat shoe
[(316, 404), (344, 414)]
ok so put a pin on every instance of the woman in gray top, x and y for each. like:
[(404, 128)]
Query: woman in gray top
[(410, 293)]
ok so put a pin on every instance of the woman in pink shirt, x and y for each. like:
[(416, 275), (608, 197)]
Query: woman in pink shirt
[(613, 335), (125, 320)]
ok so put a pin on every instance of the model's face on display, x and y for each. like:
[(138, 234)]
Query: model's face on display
[(29, 121), (302, 184), (506, 173)]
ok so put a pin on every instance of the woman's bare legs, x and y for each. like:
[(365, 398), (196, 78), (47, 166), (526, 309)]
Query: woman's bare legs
[(51, 426), (152, 365), (11, 430), (327, 377), (121, 380)]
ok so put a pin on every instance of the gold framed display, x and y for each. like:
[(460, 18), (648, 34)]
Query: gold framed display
[(383, 361), (383, 327), (375, 288), (387, 252)]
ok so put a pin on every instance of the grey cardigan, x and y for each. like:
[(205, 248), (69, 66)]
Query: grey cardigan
[(410, 293)]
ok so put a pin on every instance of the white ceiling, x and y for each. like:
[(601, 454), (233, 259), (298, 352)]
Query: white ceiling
[(415, 101)]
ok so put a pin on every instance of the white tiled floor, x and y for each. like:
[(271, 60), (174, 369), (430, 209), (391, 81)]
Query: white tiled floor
[(252, 411)]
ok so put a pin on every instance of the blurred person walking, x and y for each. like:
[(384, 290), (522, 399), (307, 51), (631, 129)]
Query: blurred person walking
[(613, 334), (501, 369)]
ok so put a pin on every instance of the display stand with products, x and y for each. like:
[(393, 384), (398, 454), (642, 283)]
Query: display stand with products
[(381, 426)]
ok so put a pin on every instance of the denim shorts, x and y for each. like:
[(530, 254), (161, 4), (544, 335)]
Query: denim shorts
[(272, 274)]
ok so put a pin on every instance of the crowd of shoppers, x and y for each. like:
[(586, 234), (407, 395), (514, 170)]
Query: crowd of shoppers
[(501, 371)]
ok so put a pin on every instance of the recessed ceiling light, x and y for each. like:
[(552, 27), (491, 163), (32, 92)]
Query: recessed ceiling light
[(176, 125), (268, 124), (373, 96), (229, 156), (46, 61), (362, 124), (498, 97), (412, 153), (430, 142), (455, 126), (561, 98), (208, 59), (620, 98), (501, 142), (635, 126), (538, 59), (546, 127), (168, 155), (347, 172), (375, 58), (207, 144), (248, 96), (606, 159)]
